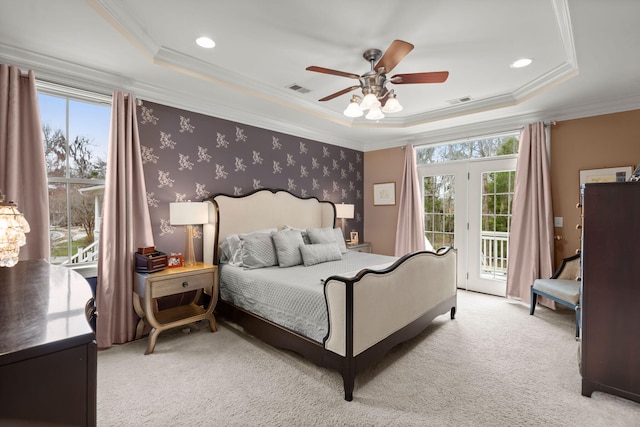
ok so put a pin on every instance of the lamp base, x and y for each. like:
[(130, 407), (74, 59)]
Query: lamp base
[(189, 257)]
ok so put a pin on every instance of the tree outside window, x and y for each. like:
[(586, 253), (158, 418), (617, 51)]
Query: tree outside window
[(75, 136)]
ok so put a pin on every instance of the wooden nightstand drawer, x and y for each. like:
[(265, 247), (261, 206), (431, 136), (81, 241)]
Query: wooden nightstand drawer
[(170, 286)]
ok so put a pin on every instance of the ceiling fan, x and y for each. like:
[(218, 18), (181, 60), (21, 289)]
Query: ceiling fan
[(377, 97)]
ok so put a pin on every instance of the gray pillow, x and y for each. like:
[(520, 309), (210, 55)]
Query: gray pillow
[(319, 252), (287, 243), (342, 245), (258, 250), (301, 230), (327, 235)]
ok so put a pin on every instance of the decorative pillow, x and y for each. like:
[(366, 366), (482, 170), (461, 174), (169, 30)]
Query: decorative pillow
[(258, 250), (287, 243), (305, 237), (337, 232), (327, 235), (231, 250), (319, 252)]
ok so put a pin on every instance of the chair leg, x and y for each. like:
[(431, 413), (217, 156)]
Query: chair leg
[(534, 300)]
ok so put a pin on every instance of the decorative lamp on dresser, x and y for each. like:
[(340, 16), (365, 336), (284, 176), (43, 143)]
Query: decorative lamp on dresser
[(48, 358), (610, 344)]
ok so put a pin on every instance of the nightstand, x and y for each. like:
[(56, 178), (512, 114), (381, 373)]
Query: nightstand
[(170, 281), (360, 247)]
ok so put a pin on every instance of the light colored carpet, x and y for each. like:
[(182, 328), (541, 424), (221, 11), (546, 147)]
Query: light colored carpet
[(494, 365)]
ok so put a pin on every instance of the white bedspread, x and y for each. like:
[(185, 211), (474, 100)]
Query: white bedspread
[(292, 297)]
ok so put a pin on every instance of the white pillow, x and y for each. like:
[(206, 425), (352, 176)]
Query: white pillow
[(287, 243), (319, 252), (231, 250)]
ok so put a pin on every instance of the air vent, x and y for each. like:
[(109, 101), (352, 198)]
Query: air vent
[(459, 100), (298, 88)]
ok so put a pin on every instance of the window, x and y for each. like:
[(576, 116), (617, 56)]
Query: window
[(75, 128), (493, 146)]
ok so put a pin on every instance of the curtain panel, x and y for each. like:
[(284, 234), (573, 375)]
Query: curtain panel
[(23, 173), (531, 237), (126, 226), (410, 227)]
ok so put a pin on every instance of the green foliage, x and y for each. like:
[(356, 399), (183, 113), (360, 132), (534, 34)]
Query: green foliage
[(69, 207)]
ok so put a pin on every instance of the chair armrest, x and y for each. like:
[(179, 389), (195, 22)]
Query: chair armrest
[(569, 270)]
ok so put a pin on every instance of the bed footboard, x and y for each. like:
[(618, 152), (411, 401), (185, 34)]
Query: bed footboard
[(377, 309)]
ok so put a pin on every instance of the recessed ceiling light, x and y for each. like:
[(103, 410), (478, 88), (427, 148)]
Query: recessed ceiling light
[(205, 42), (521, 63)]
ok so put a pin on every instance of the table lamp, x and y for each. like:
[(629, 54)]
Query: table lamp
[(188, 214), (344, 211)]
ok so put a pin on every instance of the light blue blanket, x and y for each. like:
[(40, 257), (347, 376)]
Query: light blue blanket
[(292, 297)]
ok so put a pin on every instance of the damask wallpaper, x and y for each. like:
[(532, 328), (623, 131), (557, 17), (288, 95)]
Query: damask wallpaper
[(189, 156)]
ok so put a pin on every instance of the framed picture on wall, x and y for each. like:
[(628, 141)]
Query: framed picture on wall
[(384, 194), (619, 174)]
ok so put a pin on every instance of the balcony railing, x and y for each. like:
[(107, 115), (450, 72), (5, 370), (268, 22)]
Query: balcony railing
[(495, 251), (87, 254)]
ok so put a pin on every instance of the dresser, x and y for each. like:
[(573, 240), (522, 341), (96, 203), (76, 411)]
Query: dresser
[(48, 358), (611, 289)]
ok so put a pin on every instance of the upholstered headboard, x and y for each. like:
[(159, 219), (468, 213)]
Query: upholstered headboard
[(259, 210)]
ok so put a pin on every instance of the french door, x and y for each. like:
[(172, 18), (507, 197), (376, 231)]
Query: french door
[(468, 206)]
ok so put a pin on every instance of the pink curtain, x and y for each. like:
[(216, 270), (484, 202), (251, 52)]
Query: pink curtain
[(410, 228), (531, 237), (23, 174), (126, 226)]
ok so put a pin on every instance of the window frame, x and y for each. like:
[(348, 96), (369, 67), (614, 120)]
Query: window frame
[(87, 269)]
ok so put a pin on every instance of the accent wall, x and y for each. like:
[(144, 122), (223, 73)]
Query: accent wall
[(189, 156)]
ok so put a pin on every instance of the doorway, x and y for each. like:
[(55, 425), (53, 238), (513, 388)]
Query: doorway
[(467, 205)]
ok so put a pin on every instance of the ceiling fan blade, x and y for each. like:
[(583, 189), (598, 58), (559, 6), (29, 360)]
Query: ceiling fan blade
[(333, 72), (394, 54), (337, 94), (432, 77)]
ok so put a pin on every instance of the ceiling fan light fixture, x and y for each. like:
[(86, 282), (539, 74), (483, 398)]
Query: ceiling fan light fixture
[(370, 101), (353, 109), (374, 114), (392, 105)]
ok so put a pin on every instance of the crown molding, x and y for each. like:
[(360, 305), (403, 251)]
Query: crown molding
[(121, 17)]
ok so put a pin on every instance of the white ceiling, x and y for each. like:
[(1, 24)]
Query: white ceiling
[(584, 52)]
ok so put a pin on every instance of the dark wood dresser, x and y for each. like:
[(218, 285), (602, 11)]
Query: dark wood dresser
[(611, 289), (48, 358)]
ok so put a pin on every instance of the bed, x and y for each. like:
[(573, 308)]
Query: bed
[(355, 307)]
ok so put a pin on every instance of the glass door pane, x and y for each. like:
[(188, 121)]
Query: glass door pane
[(491, 186), (444, 191)]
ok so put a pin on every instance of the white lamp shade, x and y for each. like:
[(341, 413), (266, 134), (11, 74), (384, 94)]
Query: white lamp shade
[(370, 101), (344, 210), (392, 106), (374, 114), (353, 110), (188, 213)]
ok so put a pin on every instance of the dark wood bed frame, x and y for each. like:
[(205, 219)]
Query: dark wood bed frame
[(349, 365)]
